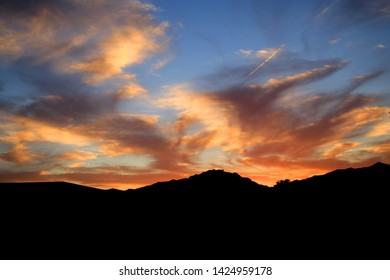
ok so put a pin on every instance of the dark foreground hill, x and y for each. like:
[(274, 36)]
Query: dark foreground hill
[(213, 215)]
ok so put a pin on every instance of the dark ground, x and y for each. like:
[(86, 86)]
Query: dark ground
[(215, 215)]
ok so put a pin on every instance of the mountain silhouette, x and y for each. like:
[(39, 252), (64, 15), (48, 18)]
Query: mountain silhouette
[(213, 215), (209, 183), (346, 180)]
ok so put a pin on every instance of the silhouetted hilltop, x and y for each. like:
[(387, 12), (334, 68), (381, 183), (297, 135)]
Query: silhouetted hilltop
[(209, 183), (213, 215), (363, 180), (220, 182)]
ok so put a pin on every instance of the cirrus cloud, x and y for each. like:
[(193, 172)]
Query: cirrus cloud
[(91, 38), (276, 124)]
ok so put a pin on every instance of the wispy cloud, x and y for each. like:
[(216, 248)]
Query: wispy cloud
[(94, 39), (272, 124), (347, 12), (379, 46), (77, 155), (326, 9), (334, 41), (75, 57), (160, 64), (245, 52), (76, 111)]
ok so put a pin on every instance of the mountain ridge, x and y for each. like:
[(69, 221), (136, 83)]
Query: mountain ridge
[(214, 175), (338, 215), (216, 180)]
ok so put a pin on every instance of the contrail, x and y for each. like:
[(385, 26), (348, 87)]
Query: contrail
[(320, 14), (326, 9), (262, 64)]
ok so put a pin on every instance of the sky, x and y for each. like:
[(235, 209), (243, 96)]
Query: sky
[(125, 93)]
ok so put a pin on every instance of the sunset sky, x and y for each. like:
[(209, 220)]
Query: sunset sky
[(126, 93)]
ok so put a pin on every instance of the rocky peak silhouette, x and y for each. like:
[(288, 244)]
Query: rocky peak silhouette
[(209, 183)]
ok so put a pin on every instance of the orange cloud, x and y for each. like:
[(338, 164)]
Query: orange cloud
[(382, 128), (112, 135), (121, 49), (305, 77), (183, 123), (130, 90), (201, 108), (93, 38), (76, 164), (77, 155), (21, 129), (258, 128), (270, 130), (338, 149), (132, 134), (19, 154)]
